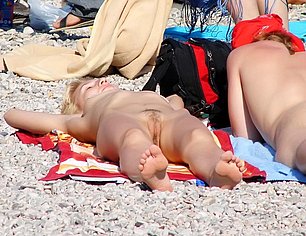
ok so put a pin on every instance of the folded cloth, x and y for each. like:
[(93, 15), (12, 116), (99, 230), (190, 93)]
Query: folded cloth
[(262, 156), (78, 160), (126, 35), (246, 31)]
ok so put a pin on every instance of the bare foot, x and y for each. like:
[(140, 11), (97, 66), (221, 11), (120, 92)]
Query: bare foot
[(152, 166), (69, 21), (228, 171)]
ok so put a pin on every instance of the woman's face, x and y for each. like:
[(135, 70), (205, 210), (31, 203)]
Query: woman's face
[(89, 89)]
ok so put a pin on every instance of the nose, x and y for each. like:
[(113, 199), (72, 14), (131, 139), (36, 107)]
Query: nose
[(102, 81)]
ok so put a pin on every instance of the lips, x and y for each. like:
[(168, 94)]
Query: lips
[(106, 87)]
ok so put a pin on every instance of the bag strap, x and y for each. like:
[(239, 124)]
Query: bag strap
[(163, 62)]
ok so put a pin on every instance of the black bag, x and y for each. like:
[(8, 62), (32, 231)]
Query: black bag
[(196, 71)]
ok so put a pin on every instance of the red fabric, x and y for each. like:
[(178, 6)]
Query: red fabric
[(245, 31), (27, 138), (210, 95), (225, 140), (62, 145)]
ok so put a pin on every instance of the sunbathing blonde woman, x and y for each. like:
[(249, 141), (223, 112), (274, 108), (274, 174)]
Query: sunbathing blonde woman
[(141, 131)]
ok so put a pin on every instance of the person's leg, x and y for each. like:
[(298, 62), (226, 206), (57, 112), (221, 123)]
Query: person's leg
[(290, 138), (185, 139), (69, 20), (242, 9), (300, 161), (126, 140), (279, 7), (291, 149), (249, 9), (80, 11)]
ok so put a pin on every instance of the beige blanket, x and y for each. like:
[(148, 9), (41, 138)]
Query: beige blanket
[(126, 35)]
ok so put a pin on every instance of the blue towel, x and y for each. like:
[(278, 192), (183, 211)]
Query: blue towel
[(223, 32), (298, 28), (262, 156)]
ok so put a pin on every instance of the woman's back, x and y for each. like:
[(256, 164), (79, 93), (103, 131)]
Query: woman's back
[(273, 81)]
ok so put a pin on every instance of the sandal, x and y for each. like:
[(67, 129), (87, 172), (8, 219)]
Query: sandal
[(63, 24)]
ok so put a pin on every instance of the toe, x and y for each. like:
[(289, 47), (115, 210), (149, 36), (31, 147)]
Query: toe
[(140, 167)]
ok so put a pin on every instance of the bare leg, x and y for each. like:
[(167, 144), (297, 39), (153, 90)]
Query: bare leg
[(249, 9), (291, 144), (126, 138), (278, 7), (185, 139), (153, 166), (70, 20), (243, 9), (300, 160)]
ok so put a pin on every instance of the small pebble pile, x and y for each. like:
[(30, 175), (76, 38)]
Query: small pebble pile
[(66, 207)]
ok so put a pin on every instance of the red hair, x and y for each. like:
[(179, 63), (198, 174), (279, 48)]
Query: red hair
[(247, 31)]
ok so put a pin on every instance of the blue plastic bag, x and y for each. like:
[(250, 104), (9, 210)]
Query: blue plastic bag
[(43, 15)]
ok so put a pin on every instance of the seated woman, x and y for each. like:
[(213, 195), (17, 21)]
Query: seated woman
[(249, 9), (266, 88), (141, 131), (201, 10)]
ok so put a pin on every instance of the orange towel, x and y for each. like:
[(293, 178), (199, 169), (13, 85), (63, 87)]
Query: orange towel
[(78, 160)]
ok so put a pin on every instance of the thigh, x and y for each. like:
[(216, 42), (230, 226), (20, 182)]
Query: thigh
[(290, 133), (178, 131), (242, 9), (278, 7), (112, 131)]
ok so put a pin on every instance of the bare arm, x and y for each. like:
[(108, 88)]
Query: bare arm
[(241, 122), (176, 102), (37, 122)]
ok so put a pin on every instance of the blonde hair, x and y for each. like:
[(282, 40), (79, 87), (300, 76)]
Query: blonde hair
[(68, 106), (277, 36)]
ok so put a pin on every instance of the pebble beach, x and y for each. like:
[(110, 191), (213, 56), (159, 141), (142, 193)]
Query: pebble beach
[(67, 207)]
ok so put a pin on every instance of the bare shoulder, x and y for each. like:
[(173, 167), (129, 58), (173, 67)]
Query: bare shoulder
[(259, 52), (235, 56)]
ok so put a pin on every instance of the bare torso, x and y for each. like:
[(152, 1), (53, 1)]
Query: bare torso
[(133, 103), (274, 85), (113, 111)]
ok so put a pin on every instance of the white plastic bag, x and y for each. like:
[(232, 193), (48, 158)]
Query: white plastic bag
[(43, 15)]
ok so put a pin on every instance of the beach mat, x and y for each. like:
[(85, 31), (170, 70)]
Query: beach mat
[(262, 156), (78, 161), (222, 32)]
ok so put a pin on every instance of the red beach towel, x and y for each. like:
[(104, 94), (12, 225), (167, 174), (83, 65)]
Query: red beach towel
[(78, 161)]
